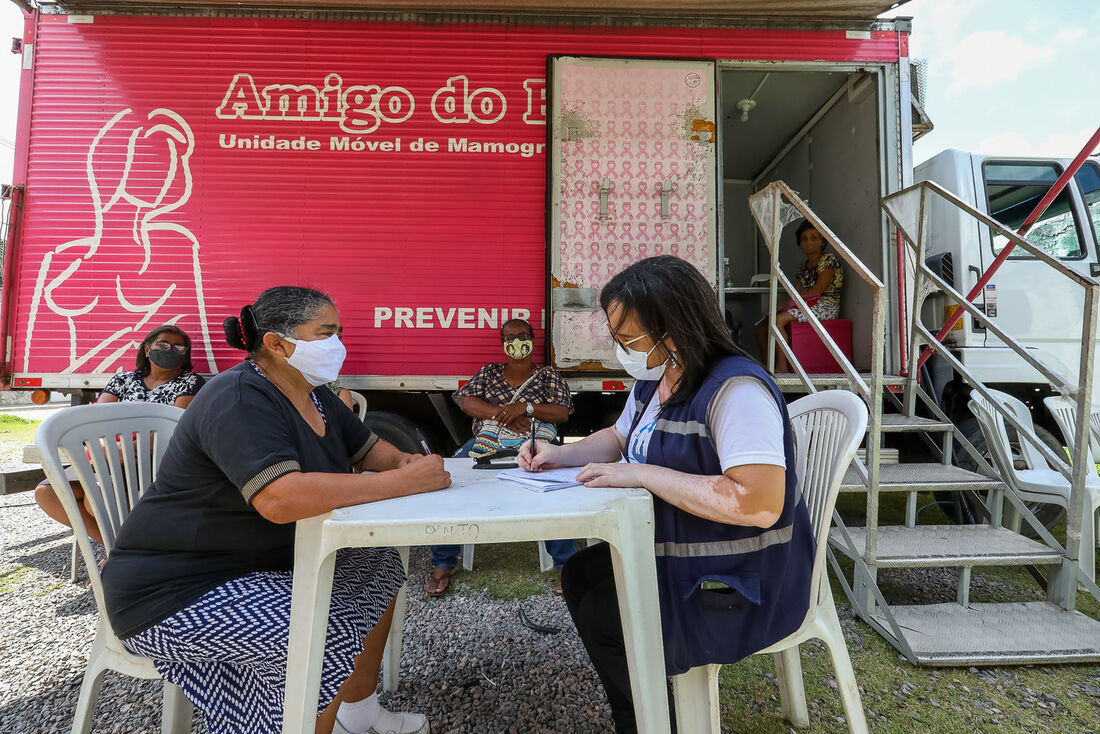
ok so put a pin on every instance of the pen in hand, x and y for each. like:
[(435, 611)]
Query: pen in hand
[(423, 442), (534, 449)]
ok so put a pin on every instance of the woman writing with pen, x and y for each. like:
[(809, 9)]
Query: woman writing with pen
[(706, 431), (512, 398)]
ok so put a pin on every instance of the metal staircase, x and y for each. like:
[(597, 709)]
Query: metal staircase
[(955, 633)]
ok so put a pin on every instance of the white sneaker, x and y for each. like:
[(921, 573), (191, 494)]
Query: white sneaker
[(398, 723)]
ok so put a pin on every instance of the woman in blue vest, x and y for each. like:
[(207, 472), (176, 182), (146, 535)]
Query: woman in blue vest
[(705, 429)]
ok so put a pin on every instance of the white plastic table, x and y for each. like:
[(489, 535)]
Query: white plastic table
[(478, 508)]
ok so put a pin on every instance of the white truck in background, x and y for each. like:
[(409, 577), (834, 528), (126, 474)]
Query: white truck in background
[(1029, 300)]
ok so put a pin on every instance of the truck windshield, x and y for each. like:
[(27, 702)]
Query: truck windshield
[(1014, 189)]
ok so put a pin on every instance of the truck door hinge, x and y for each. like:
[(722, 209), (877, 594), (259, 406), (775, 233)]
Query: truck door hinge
[(666, 191), (605, 192)]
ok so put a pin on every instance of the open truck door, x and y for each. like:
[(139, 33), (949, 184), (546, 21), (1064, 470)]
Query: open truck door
[(1032, 301), (632, 174)]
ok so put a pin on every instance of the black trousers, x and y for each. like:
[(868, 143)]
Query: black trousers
[(588, 586)]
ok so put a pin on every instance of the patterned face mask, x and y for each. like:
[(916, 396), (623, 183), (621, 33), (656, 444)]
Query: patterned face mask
[(518, 348)]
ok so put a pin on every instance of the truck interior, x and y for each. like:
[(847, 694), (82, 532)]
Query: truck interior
[(818, 132)]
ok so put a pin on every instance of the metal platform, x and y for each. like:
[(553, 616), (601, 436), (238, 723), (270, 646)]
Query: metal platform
[(995, 634), (919, 478), (897, 423), (948, 545)]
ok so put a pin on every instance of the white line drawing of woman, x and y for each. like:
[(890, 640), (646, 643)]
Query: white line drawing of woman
[(154, 262)]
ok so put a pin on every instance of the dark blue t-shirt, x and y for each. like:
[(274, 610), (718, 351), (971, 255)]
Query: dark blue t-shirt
[(195, 527)]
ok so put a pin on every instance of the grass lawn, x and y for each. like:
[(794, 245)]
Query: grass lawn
[(14, 428)]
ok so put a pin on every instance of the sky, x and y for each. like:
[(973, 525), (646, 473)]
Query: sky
[(1005, 77)]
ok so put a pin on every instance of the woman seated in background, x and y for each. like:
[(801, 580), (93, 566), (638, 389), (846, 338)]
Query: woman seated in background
[(506, 397), (819, 280), (199, 580), (163, 374), (706, 431)]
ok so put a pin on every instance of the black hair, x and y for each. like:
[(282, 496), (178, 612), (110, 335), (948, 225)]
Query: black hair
[(802, 227), (143, 359), (279, 309), (671, 299), (509, 322)]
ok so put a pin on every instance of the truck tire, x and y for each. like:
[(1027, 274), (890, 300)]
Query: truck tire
[(397, 430), (966, 507)]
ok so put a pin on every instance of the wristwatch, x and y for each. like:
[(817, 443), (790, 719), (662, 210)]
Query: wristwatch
[(530, 408)]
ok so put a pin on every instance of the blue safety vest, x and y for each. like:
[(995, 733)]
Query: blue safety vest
[(759, 577)]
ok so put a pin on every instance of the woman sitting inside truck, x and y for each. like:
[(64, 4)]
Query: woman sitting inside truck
[(508, 395), (819, 280), (200, 577), (163, 374)]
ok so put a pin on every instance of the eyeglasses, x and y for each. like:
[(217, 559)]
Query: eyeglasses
[(615, 338), (163, 346), (514, 337)]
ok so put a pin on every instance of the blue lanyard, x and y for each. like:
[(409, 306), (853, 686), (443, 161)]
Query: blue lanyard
[(316, 400)]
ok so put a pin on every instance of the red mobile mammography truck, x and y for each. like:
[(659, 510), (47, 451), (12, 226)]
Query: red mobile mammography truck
[(436, 172)]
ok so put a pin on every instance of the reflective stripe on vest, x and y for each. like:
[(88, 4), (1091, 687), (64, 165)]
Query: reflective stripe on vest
[(725, 547), (682, 428)]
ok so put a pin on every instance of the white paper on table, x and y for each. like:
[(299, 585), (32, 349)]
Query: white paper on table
[(543, 481)]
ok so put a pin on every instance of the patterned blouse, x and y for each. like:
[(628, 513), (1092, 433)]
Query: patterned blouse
[(547, 386), (807, 276), (129, 387)]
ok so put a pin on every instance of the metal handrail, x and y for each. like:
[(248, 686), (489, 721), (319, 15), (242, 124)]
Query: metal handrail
[(1066, 583), (871, 393)]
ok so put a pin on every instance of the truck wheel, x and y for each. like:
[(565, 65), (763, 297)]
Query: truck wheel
[(966, 507), (397, 430)]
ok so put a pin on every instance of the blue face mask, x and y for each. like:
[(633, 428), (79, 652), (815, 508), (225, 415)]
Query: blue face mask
[(319, 360)]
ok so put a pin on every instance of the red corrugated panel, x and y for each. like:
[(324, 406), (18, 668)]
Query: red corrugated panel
[(141, 208)]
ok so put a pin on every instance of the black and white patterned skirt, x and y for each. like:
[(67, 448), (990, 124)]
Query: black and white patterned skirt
[(228, 649)]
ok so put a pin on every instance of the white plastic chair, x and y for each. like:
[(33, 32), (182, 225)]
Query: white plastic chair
[(1094, 429), (126, 442), (1064, 412), (360, 403), (828, 427), (1038, 482), (546, 561)]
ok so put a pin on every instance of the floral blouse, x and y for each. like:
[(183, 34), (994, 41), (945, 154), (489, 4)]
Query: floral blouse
[(129, 387), (807, 276)]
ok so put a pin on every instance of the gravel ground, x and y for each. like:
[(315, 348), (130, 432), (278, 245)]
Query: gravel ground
[(468, 663)]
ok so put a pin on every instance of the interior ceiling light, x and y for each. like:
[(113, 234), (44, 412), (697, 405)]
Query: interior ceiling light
[(748, 103)]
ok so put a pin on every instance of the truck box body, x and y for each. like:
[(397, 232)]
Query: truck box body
[(174, 167)]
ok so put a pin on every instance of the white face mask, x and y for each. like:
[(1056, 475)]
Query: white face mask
[(634, 362), (319, 360)]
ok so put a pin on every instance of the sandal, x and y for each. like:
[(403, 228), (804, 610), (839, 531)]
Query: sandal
[(557, 589), (439, 582)]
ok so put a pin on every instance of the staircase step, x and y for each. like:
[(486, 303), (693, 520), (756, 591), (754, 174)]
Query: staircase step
[(948, 545), (897, 423), (885, 455), (995, 634), (920, 477)]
